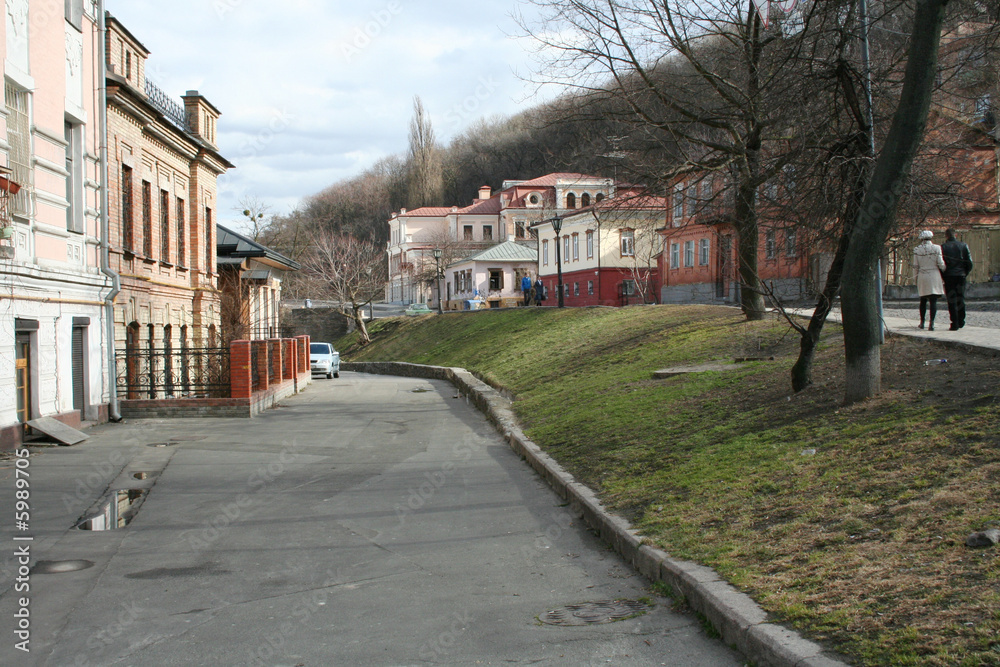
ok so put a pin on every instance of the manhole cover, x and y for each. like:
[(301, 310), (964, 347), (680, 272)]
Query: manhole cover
[(592, 613), (60, 566)]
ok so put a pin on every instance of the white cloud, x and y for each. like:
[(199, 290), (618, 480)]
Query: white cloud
[(312, 92)]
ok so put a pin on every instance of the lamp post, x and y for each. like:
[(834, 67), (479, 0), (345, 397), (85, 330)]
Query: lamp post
[(437, 275), (557, 226)]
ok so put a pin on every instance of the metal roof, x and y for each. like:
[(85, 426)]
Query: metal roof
[(230, 244), (508, 251)]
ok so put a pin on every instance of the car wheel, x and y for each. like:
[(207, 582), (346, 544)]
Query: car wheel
[(329, 376), (336, 375)]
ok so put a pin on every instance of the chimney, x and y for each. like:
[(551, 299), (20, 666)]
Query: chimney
[(402, 211), (202, 116), (485, 192)]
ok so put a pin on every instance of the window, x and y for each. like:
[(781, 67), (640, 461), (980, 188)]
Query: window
[(590, 245), (585, 200), (74, 177), (147, 218), (790, 244), (455, 282), (628, 287), (467, 232), (769, 244), (496, 280), (599, 198), (127, 221), (706, 194), (519, 229), (675, 255), (678, 203), (487, 232), (628, 243), (533, 199), (181, 234), (565, 250), (576, 247), (128, 65), (19, 157), (209, 240), (590, 287), (545, 252), (576, 289), (164, 226), (689, 253), (571, 200), (703, 252)]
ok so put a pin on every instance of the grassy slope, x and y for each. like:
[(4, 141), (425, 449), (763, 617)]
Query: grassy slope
[(861, 543)]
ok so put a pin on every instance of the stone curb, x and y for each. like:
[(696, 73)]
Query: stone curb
[(734, 615)]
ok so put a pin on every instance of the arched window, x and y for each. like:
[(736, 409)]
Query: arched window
[(599, 198), (571, 200), (585, 200)]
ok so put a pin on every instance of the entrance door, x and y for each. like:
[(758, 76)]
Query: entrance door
[(724, 266), (22, 376)]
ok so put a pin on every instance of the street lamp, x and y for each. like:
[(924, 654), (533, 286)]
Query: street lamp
[(437, 264), (557, 226)]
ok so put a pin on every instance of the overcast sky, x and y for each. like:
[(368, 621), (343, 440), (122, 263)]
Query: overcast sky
[(314, 91)]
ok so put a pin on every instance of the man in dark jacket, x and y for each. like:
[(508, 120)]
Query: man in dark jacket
[(957, 265)]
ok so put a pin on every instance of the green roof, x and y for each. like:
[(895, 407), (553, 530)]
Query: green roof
[(508, 251)]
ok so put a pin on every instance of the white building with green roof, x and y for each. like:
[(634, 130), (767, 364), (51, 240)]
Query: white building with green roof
[(492, 276)]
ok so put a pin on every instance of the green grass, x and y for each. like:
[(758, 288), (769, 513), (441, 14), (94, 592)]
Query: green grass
[(860, 544)]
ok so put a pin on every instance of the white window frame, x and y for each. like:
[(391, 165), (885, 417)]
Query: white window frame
[(675, 255), (791, 243), (627, 243), (590, 287), (576, 247), (678, 210), (704, 251), (590, 245), (688, 254), (770, 245), (545, 252)]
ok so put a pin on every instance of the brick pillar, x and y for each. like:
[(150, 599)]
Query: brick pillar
[(239, 369), (291, 359), (262, 364), (274, 350), (303, 342)]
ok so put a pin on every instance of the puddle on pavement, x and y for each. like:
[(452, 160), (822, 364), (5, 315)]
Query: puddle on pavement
[(116, 511), (142, 475), (60, 566), (161, 444)]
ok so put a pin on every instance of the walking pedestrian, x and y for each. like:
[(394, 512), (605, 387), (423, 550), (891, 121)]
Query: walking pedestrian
[(526, 289), (957, 267), (539, 292), (927, 266)]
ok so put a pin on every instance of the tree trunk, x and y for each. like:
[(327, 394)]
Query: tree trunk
[(860, 289), (359, 321)]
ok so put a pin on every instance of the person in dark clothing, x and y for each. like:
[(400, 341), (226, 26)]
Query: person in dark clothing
[(526, 289), (539, 292), (957, 266)]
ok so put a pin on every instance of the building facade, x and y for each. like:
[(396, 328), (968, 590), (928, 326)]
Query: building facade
[(508, 215), (52, 307), (607, 252), (250, 278), (492, 276), (163, 167)]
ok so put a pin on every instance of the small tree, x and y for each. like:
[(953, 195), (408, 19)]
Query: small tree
[(347, 270)]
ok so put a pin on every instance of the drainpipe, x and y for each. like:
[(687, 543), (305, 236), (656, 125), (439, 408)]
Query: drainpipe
[(114, 414)]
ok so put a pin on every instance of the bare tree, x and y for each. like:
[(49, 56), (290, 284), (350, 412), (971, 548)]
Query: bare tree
[(425, 174), (347, 270), (256, 213)]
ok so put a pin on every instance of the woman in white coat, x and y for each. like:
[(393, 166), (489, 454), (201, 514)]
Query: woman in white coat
[(928, 263)]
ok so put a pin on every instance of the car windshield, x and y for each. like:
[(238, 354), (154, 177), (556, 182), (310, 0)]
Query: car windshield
[(319, 348)]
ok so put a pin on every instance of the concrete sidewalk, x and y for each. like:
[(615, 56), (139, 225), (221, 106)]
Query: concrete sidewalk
[(368, 521), (970, 337)]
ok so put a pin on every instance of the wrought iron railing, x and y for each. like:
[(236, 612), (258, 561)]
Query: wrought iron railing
[(173, 111), (165, 373), (255, 359)]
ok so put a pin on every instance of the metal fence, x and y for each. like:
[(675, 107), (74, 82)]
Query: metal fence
[(166, 373)]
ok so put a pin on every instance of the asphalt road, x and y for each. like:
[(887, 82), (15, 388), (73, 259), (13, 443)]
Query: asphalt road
[(369, 521)]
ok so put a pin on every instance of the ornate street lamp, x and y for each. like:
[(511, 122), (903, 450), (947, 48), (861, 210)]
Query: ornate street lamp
[(557, 226), (437, 264)]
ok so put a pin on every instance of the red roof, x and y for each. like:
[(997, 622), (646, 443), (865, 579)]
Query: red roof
[(489, 206), (428, 212), (549, 180)]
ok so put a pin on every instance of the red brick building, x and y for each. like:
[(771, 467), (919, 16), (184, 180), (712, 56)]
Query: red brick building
[(163, 165)]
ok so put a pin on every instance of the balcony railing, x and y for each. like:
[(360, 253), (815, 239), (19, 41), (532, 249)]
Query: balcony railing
[(173, 111)]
